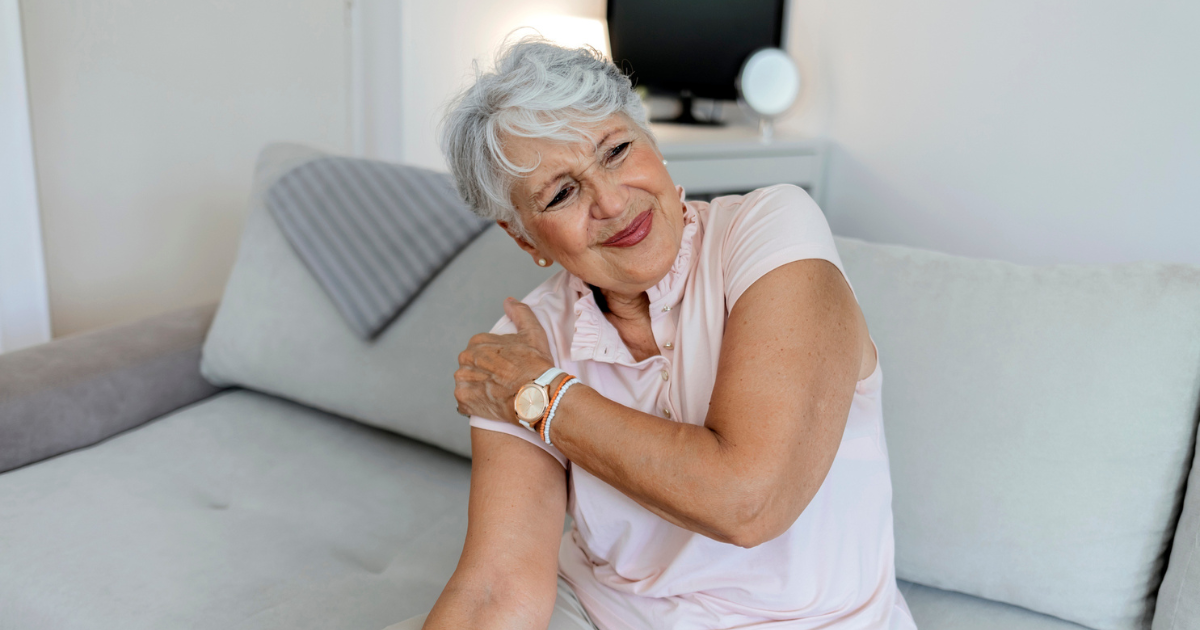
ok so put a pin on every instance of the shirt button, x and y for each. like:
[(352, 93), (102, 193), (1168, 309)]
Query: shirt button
[(669, 346), (666, 308), (666, 413), (665, 375)]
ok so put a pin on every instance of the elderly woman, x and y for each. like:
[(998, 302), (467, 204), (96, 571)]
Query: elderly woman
[(697, 388)]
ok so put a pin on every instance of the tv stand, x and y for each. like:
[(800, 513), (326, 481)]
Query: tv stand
[(712, 161), (687, 116)]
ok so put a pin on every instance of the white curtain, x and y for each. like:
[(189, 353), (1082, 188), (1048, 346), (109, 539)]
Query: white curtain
[(24, 309)]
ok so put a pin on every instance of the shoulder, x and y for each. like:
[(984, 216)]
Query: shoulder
[(764, 220), (781, 203), (553, 302), (755, 233)]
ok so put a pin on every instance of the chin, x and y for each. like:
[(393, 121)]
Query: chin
[(642, 266), (656, 265)]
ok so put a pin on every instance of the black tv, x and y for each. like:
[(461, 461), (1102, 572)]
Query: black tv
[(691, 48)]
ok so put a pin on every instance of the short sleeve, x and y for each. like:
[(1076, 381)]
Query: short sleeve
[(506, 327), (771, 227)]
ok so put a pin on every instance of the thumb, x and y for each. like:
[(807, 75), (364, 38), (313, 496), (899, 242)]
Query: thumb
[(527, 323)]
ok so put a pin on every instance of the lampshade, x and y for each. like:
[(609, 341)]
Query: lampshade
[(573, 32)]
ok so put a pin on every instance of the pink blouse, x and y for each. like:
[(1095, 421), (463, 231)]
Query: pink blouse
[(632, 569)]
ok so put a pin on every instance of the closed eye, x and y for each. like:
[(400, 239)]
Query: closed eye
[(560, 197), (618, 150)]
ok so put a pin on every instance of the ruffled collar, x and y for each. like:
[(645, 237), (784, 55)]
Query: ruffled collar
[(598, 340)]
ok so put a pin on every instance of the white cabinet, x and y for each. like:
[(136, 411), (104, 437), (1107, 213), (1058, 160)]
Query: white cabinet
[(709, 162)]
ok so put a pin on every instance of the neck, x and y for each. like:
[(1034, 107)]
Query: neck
[(630, 308)]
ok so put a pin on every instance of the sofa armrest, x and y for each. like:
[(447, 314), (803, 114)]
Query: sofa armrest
[(78, 390)]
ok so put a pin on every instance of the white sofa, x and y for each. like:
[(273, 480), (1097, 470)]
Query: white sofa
[(276, 471)]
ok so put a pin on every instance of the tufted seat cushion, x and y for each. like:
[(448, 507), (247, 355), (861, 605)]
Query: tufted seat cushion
[(242, 511)]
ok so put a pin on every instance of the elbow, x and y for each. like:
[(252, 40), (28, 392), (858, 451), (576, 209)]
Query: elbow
[(753, 534), (746, 539), (755, 518)]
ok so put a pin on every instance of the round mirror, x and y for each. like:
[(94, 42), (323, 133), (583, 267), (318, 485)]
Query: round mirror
[(769, 82)]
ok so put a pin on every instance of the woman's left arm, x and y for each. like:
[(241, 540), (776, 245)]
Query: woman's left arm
[(793, 350)]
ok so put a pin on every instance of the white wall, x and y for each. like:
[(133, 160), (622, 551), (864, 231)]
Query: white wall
[(147, 117), (1016, 129), (1024, 130), (439, 41)]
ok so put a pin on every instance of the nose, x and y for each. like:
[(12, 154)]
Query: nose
[(610, 199)]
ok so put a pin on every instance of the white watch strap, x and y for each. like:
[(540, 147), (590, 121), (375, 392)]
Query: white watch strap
[(548, 377)]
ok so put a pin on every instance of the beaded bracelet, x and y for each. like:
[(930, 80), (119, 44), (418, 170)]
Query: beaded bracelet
[(537, 427), (562, 389)]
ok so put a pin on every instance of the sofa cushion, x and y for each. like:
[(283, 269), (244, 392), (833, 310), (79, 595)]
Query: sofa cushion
[(1039, 422), (935, 609), (277, 332), (247, 512), (240, 512), (1179, 598)]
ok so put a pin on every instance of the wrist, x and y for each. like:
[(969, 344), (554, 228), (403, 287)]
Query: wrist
[(571, 404), (532, 401), (558, 381), (537, 369), (559, 394)]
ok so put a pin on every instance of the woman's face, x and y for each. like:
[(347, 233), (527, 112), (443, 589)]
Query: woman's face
[(605, 209)]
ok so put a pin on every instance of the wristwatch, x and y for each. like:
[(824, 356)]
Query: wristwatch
[(533, 398)]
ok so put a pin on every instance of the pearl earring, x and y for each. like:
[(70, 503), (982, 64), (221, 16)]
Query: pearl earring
[(542, 262), (664, 162)]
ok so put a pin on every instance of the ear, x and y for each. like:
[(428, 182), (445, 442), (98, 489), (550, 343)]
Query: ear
[(521, 242)]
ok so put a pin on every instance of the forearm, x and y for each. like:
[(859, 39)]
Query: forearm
[(506, 576), (685, 473)]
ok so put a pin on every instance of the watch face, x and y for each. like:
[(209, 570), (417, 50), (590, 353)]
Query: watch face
[(530, 403)]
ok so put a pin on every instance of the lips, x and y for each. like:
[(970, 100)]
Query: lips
[(634, 232)]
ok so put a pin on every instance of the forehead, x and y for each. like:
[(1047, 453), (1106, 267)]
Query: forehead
[(542, 153)]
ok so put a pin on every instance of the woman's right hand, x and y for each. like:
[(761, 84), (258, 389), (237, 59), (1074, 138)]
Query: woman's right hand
[(494, 367)]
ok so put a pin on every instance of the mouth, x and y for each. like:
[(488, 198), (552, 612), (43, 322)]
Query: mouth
[(633, 233)]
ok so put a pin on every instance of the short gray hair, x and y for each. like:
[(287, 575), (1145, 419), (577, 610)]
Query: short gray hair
[(537, 90)]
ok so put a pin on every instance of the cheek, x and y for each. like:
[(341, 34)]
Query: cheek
[(648, 173), (566, 233)]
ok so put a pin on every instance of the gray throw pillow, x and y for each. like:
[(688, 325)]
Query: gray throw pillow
[(277, 331), (372, 233)]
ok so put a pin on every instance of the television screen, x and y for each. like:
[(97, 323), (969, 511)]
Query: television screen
[(697, 46)]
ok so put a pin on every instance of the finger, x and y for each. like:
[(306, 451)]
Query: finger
[(521, 315), (465, 394), (527, 323), (466, 358), (483, 338), (468, 374)]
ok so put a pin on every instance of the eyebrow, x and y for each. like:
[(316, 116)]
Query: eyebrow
[(537, 194)]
